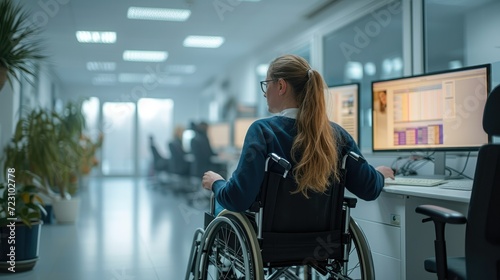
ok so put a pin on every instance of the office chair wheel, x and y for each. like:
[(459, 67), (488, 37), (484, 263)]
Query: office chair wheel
[(230, 250), (360, 264)]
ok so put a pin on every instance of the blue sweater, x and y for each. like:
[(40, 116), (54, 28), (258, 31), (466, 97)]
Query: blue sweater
[(275, 135)]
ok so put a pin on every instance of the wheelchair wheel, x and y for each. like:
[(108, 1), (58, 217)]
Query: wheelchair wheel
[(230, 250), (363, 252), (360, 264), (190, 273)]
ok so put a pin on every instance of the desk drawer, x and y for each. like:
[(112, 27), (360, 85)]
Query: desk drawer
[(387, 209), (383, 239)]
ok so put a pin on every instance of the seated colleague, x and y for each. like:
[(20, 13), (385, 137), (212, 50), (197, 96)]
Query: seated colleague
[(201, 150), (302, 134), (178, 156)]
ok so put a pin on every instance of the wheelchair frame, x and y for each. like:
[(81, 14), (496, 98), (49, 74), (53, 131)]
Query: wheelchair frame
[(229, 247)]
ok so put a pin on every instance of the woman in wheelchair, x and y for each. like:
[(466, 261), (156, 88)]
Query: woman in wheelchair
[(316, 148), (301, 132)]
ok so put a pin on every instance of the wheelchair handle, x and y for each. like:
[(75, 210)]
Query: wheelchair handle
[(354, 156), (281, 161)]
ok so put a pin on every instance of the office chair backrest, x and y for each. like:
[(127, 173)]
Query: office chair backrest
[(159, 162), (483, 226), (294, 227)]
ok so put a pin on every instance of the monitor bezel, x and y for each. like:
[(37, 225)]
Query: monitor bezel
[(358, 109), (487, 66)]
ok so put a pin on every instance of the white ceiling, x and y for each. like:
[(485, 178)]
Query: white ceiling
[(247, 26)]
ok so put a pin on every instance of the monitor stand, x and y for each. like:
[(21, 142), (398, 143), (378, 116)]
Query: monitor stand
[(440, 167)]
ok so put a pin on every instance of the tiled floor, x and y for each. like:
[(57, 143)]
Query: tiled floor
[(126, 229)]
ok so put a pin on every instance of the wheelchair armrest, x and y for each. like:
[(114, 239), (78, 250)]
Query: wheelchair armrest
[(350, 201), (441, 214)]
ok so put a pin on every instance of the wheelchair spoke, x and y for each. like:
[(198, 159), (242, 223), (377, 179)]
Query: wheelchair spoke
[(225, 255)]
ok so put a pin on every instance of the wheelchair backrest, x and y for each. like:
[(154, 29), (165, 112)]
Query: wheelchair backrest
[(285, 211)]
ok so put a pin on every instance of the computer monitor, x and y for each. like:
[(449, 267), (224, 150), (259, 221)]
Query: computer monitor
[(431, 112), (219, 135), (240, 128), (342, 107)]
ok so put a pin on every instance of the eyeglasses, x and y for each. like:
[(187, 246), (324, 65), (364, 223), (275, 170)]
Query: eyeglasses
[(263, 85)]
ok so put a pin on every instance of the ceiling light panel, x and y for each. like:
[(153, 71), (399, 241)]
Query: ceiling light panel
[(131, 77), (181, 69), (107, 37), (203, 41), (101, 66), (146, 56), (140, 78), (104, 79), (158, 14)]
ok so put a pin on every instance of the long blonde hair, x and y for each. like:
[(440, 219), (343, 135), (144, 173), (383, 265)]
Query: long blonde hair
[(315, 143)]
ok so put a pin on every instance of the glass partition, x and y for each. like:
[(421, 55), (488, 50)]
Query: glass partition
[(370, 48)]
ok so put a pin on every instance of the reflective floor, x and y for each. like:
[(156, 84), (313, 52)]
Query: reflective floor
[(126, 229)]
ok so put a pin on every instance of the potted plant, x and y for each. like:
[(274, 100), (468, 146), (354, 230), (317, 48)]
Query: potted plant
[(45, 153), (71, 152), (89, 156), (20, 46), (20, 225)]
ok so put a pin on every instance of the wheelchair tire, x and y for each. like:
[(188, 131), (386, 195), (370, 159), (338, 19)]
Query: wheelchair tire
[(191, 268), (229, 250), (360, 262)]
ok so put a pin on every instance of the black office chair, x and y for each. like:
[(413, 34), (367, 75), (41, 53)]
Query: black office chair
[(482, 241), (160, 164)]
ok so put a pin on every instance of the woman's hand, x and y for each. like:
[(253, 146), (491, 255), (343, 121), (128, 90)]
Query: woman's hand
[(386, 171), (209, 178)]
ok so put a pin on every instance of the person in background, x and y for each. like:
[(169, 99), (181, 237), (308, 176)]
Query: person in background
[(178, 156), (201, 150), (300, 133)]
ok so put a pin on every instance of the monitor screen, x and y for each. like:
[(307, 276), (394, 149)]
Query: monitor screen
[(241, 126), (342, 107), (219, 135), (431, 112)]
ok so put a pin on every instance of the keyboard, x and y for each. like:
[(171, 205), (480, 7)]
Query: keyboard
[(411, 181), (461, 185)]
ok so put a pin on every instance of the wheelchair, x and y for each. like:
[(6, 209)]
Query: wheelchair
[(283, 235)]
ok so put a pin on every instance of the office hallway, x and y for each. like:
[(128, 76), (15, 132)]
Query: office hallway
[(126, 229)]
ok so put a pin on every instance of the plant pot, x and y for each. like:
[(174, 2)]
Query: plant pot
[(25, 242), (48, 218), (66, 210)]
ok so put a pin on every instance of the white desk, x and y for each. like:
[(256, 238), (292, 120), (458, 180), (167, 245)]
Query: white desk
[(398, 239), (430, 192)]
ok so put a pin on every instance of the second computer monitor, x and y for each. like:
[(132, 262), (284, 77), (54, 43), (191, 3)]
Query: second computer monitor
[(219, 135), (431, 112), (342, 107), (240, 129)]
